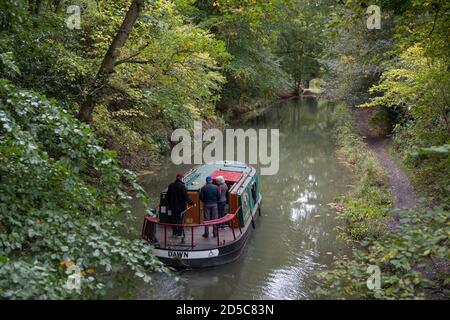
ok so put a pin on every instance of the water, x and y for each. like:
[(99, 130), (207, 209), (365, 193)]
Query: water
[(295, 236)]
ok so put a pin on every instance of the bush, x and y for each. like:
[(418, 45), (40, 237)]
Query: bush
[(135, 149), (419, 244), (61, 195)]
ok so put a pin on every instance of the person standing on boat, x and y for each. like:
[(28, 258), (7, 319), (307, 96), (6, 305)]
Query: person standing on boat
[(210, 196), (177, 197), (221, 205)]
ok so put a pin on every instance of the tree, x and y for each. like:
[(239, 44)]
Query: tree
[(249, 30), (110, 60), (300, 42)]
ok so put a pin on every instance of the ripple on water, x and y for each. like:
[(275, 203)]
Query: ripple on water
[(288, 282)]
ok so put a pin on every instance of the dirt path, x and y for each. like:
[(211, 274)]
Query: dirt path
[(400, 186), (403, 193)]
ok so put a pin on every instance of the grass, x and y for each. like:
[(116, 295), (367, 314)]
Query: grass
[(365, 209)]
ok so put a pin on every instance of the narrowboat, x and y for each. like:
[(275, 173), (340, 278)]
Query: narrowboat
[(191, 249)]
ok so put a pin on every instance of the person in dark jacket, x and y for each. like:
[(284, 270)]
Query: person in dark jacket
[(177, 197), (210, 196)]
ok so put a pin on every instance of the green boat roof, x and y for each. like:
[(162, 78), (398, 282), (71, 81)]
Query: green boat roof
[(195, 178)]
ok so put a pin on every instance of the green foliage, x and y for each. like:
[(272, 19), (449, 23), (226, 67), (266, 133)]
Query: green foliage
[(8, 65), (249, 30), (44, 51), (160, 139), (417, 87), (381, 121), (402, 71), (125, 132), (169, 72), (178, 73), (301, 41), (181, 61), (420, 86), (365, 209), (419, 242), (412, 256), (355, 56), (61, 194)]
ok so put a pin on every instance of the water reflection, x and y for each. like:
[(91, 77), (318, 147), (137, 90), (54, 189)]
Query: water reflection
[(279, 282), (295, 235)]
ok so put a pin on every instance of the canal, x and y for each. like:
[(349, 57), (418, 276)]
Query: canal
[(296, 234)]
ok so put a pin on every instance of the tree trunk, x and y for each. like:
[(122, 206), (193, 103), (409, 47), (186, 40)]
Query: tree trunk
[(109, 60), (298, 86), (86, 109)]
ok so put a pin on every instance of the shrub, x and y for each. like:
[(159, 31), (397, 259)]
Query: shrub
[(419, 243), (135, 149), (61, 195)]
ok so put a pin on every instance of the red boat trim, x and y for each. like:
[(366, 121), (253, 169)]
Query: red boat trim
[(228, 217)]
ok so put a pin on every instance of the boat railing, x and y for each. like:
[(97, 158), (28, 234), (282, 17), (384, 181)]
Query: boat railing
[(149, 233)]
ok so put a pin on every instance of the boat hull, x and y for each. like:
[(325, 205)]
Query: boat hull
[(194, 259)]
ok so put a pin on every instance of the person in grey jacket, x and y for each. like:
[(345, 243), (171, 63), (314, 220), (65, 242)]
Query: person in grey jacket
[(222, 204), (210, 196)]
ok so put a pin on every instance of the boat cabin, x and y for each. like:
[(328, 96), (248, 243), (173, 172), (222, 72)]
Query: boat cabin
[(191, 249)]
